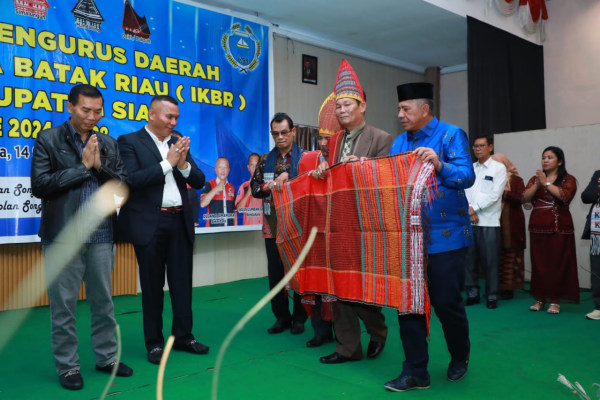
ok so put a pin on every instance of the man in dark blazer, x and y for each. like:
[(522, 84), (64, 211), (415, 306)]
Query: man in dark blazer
[(357, 140), (158, 220)]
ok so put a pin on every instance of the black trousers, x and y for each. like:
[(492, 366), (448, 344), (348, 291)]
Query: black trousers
[(279, 303), (169, 249), (595, 280), (322, 328), (446, 278)]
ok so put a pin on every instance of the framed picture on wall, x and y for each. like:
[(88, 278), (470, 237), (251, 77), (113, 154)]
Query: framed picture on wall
[(309, 69)]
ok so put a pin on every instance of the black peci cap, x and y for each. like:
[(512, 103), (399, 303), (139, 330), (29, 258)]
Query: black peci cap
[(416, 90)]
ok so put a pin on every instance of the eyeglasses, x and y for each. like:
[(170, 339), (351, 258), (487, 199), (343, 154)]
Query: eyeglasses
[(283, 133), (479, 146)]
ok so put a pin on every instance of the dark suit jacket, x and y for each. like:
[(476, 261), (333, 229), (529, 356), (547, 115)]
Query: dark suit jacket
[(138, 218), (590, 196), (372, 142)]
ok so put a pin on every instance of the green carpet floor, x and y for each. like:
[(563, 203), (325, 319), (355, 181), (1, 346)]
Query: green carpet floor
[(515, 354)]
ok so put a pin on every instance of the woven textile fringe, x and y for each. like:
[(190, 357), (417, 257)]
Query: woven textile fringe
[(370, 246)]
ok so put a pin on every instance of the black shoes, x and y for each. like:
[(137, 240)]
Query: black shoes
[(319, 341), (335, 358), (374, 349), (191, 346), (408, 382), (279, 326), (297, 328), (122, 369), (476, 300), (472, 300), (71, 380), (155, 354), (457, 370)]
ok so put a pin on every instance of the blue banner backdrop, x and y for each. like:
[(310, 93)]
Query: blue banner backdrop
[(215, 65)]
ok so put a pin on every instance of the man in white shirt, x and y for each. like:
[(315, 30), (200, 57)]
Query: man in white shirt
[(485, 206), (158, 220)]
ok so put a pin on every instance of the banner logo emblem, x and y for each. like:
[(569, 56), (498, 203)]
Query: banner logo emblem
[(242, 48)]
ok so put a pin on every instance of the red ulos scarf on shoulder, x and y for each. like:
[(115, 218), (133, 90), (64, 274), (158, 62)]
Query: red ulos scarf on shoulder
[(370, 242)]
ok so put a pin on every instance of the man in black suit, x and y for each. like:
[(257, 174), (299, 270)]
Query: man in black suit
[(158, 220)]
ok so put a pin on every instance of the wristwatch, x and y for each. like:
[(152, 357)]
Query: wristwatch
[(547, 184)]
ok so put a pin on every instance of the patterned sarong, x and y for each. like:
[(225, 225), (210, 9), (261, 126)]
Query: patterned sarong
[(370, 241)]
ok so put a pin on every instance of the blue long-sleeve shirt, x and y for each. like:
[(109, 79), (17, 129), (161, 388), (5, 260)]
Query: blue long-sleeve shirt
[(449, 223)]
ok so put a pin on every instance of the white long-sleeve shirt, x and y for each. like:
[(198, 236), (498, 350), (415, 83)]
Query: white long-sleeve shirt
[(171, 195), (485, 196)]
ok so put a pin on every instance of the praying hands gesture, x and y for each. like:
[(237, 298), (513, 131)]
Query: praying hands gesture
[(90, 157), (178, 153)]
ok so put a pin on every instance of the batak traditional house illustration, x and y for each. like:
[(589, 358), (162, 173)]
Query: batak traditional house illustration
[(133, 24), (87, 15), (32, 8)]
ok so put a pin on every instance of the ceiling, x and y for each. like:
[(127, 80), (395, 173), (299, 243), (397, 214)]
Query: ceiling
[(411, 34)]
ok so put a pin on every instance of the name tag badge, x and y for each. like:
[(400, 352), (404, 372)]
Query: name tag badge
[(268, 176), (489, 178)]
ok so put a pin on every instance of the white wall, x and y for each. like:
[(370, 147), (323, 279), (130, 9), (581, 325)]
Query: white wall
[(572, 62), (454, 99), (579, 144)]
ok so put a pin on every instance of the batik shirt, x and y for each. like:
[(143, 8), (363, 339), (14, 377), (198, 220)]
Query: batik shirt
[(448, 219)]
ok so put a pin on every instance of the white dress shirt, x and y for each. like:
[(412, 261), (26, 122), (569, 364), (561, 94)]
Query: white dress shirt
[(485, 196), (171, 195)]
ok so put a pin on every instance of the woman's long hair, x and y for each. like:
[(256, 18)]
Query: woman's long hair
[(562, 168)]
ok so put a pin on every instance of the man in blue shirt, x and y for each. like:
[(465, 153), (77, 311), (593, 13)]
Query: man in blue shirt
[(447, 147)]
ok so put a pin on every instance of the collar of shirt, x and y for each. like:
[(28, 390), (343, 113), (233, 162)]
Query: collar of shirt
[(355, 132), (156, 139), (486, 164), (427, 130), (282, 159), (219, 181), (76, 136)]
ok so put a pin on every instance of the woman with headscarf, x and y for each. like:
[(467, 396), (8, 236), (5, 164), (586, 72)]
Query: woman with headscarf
[(512, 224), (551, 233)]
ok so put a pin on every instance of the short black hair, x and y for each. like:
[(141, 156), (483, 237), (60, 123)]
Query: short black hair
[(280, 117), (253, 155), (164, 97), (84, 90), (488, 138)]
